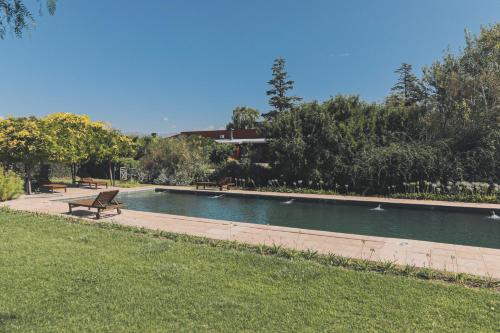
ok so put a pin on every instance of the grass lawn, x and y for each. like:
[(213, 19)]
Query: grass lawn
[(56, 275)]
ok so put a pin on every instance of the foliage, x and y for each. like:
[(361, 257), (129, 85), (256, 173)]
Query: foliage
[(244, 173), (177, 160), (280, 84), (445, 127), (219, 152), (17, 17), (141, 145), (25, 140), (479, 198), (408, 90), (74, 137), (109, 146), (11, 185), (244, 118), (464, 104), (59, 137)]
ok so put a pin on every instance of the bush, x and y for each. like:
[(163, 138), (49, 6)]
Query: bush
[(244, 171), (379, 167), (177, 161), (11, 185)]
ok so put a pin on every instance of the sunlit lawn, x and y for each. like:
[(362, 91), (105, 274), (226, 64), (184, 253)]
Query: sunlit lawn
[(57, 276)]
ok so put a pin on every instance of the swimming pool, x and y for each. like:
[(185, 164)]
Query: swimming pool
[(466, 228)]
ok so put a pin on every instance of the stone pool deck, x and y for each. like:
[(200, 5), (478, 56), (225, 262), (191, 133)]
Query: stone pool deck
[(449, 257)]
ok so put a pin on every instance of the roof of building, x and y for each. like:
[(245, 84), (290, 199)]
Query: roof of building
[(240, 141), (218, 135)]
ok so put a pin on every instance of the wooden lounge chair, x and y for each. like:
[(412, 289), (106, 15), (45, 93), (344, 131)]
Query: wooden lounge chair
[(91, 181), (224, 182), (104, 201), (46, 183)]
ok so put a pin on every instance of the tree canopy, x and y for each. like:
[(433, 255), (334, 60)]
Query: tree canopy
[(408, 90), (244, 118), (17, 17), (444, 126), (60, 137), (280, 85)]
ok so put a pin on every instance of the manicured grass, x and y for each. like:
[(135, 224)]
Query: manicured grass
[(57, 275)]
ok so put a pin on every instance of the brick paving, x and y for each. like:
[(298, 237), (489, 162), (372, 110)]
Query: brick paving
[(449, 257)]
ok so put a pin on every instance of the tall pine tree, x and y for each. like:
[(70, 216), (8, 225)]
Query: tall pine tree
[(280, 84), (408, 90)]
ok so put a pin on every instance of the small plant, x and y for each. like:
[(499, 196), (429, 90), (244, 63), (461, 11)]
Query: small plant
[(11, 185), (426, 273), (409, 270), (309, 254), (274, 249), (387, 267)]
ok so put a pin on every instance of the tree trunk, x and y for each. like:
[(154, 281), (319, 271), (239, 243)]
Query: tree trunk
[(111, 177), (73, 173), (27, 170)]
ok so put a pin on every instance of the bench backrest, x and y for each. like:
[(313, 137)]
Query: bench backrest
[(43, 181), (105, 198), (87, 179), (225, 181)]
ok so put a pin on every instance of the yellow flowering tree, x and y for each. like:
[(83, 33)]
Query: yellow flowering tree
[(25, 140), (74, 138), (61, 137)]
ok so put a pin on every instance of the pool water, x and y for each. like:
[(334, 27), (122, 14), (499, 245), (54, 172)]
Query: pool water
[(474, 229)]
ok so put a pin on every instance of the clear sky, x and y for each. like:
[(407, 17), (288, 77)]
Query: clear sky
[(170, 65)]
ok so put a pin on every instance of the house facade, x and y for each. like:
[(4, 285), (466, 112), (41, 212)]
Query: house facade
[(238, 138)]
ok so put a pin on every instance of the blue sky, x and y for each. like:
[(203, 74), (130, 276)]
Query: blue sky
[(165, 66)]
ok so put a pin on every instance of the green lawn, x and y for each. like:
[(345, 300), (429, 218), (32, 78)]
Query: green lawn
[(57, 275)]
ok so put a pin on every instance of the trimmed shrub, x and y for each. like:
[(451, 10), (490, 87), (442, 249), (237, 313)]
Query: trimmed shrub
[(11, 185)]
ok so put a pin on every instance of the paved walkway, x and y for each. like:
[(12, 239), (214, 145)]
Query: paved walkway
[(449, 257)]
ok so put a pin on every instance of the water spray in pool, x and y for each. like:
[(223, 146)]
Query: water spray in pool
[(378, 208), (494, 216), (217, 196), (289, 202)]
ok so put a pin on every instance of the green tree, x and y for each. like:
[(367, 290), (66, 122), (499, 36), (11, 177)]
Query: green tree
[(25, 140), (244, 118), (280, 85), (408, 90), (74, 136), (178, 160), (111, 147), (465, 104), (15, 16)]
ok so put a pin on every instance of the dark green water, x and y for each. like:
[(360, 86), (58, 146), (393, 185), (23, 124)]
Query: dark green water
[(422, 224)]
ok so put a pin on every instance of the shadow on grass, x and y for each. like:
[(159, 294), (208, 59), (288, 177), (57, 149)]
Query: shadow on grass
[(90, 214), (6, 317)]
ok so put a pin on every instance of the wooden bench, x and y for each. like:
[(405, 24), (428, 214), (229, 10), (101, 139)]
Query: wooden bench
[(45, 183), (90, 181), (104, 201), (225, 182)]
